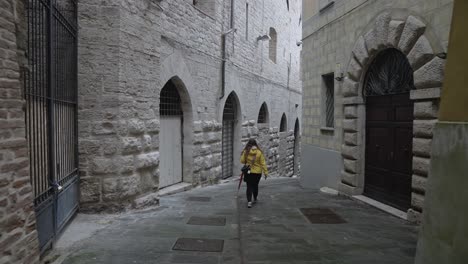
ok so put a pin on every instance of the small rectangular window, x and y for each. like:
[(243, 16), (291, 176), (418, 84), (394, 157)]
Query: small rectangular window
[(329, 99), (246, 21)]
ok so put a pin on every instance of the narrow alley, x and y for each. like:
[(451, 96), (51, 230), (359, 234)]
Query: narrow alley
[(273, 231)]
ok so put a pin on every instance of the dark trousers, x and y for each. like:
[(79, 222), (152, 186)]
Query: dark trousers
[(252, 185)]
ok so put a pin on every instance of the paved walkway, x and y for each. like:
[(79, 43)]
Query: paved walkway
[(273, 231)]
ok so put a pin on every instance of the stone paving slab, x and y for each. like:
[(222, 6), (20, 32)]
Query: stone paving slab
[(273, 231)]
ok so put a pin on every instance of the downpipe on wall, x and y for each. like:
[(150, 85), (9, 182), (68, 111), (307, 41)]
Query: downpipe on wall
[(223, 44)]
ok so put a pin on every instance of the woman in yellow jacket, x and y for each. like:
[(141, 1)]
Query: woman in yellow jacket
[(252, 155)]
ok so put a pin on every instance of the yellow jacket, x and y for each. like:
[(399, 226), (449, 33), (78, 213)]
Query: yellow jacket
[(259, 165)]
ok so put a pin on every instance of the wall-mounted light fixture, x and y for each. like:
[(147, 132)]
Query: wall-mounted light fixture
[(339, 75), (264, 37)]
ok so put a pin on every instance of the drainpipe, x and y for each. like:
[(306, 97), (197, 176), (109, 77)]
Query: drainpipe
[(223, 51)]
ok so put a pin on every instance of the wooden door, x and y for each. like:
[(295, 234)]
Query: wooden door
[(170, 151), (389, 135)]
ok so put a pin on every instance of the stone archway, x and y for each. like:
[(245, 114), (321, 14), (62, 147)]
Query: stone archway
[(410, 35)]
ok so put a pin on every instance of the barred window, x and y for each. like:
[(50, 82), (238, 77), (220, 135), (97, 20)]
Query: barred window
[(283, 125), (329, 99), (169, 102), (263, 114)]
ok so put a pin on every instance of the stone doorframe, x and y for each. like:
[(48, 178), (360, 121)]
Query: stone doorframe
[(409, 34)]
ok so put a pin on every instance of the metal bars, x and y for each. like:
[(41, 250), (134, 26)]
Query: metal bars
[(229, 118), (51, 112), (329, 82), (170, 102), (389, 73)]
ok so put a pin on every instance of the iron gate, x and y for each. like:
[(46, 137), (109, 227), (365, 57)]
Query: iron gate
[(51, 113), (229, 118)]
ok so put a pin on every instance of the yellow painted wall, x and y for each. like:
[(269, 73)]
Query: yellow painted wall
[(454, 104)]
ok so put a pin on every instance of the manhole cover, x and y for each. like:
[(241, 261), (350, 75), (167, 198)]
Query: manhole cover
[(322, 216), (199, 199), (199, 244), (208, 221)]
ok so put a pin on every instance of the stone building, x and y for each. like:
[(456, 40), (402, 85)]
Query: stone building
[(373, 73), (105, 103), (148, 69)]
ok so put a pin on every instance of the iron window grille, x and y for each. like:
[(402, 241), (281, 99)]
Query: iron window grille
[(329, 89), (389, 73), (170, 102)]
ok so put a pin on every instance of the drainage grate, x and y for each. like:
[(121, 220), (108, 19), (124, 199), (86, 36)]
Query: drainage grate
[(199, 199), (322, 216), (199, 244), (208, 221)]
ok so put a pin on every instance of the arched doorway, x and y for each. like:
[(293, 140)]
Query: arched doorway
[(170, 136), (230, 114), (296, 147), (389, 129)]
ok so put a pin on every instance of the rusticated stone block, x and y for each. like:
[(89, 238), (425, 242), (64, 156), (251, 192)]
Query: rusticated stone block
[(351, 166), (414, 28), (147, 160), (360, 51), (431, 74), (418, 183), (120, 188), (426, 110), (351, 111), (421, 53), (417, 201), (104, 166), (351, 139), (349, 178), (395, 28), (90, 189), (350, 125), (350, 152), (421, 166), (423, 128), (422, 147), (354, 70), (136, 127)]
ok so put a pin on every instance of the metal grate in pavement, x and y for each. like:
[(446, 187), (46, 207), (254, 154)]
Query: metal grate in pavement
[(199, 244), (208, 221), (322, 216), (199, 199)]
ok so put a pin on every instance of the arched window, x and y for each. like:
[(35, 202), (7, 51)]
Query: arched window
[(283, 124), (170, 103), (263, 114), (273, 44), (389, 73)]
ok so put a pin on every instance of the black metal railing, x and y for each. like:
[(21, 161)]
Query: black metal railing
[(51, 93)]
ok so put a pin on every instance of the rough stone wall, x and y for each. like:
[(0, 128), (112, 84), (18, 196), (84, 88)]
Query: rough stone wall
[(128, 50), (207, 143), (278, 147), (18, 239), (420, 30), (326, 47)]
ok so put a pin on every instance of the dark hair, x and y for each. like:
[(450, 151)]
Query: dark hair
[(251, 143)]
